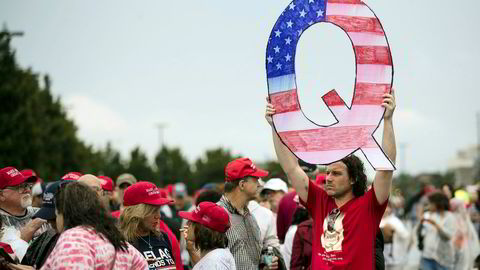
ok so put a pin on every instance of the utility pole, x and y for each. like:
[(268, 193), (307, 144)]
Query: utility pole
[(161, 130), (11, 34)]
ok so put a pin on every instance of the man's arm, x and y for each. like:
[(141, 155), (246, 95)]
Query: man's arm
[(383, 179), (288, 161)]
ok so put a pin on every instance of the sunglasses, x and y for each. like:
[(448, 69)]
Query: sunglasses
[(22, 187), (332, 217)]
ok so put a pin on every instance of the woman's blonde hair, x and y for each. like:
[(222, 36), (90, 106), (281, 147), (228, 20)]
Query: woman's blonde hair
[(131, 219)]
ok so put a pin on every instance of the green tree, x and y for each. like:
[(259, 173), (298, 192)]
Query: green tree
[(211, 167), (110, 162), (35, 132), (139, 166), (407, 185), (172, 167), (274, 170)]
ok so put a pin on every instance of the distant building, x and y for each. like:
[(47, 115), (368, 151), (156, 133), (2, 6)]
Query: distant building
[(465, 166)]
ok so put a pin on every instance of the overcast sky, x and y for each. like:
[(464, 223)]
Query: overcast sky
[(121, 67)]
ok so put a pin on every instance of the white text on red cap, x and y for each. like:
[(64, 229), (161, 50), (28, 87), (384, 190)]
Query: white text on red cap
[(13, 172)]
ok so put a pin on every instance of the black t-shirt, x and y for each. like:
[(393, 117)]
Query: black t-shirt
[(160, 255)]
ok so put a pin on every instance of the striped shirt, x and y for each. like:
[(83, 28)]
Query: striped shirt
[(243, 237), (84, 248)]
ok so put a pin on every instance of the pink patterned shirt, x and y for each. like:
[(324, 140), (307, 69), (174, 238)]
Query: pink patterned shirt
[(83, 248)]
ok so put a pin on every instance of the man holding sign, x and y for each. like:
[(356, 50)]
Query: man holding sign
[(346, 215)]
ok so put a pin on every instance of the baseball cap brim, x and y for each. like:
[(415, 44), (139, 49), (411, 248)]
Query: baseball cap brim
[(158, 201), (259, 173), (188, 215), (47, 213), (124, 181)]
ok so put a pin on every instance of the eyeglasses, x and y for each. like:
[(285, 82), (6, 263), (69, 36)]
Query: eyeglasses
[(22, 187), (124, 186)]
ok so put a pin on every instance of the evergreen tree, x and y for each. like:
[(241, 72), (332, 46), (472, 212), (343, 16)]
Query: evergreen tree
[(172, 167), (35, 132)]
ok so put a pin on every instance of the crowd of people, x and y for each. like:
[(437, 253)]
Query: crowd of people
[(315, 219)]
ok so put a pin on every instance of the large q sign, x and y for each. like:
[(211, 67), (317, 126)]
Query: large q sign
[(356, 124)]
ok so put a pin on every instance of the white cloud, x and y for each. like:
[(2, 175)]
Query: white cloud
[(408, 118), (95, 120)]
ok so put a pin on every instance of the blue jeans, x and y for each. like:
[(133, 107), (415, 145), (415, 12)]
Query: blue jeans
[(429, 264)]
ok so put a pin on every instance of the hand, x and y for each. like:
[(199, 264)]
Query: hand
[(269, 112), (272, 266), (190, 244), (389, 104), (184, 231), (27, 232), (431, 221)]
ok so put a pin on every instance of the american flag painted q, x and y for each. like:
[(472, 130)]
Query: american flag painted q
[(355, 124)]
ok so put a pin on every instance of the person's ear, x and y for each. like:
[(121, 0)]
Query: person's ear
[(2, 196)]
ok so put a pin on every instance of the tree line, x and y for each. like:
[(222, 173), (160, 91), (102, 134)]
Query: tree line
[(36, 133)]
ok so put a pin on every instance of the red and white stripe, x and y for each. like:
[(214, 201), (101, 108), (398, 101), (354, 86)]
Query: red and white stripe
[(322, 145)]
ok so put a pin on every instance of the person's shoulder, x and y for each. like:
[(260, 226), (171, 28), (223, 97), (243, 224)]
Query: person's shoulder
[(449, 215), (254, 206), (78, 233), (306, 224), (217, 255)]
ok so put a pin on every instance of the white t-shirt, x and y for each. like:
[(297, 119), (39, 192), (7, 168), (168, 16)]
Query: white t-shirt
[(436, 247), (266, 221), (286, 248), (217, 259), (395, 253)]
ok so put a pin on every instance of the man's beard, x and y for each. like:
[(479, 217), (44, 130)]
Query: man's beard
[(26, 201)]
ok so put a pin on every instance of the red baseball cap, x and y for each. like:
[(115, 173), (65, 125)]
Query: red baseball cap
[(107, 183), (10, 177), (209, 215), (72, 176), (143, 192), (241, 167), (29, 175)]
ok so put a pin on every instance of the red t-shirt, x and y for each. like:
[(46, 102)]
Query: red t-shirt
[(343, 238)]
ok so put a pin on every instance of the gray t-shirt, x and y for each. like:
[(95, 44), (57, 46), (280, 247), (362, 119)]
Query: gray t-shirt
[(217, 259)]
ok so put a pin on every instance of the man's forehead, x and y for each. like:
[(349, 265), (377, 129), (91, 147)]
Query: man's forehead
[(252, 178), (337, 166)]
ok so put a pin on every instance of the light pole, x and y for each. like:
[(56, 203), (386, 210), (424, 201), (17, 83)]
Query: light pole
[(161, 133), (11, 34)]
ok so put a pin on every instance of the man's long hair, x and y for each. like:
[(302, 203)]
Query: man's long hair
[(356, 172)]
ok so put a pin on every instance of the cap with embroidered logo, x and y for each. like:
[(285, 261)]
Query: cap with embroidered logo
[(72, 176), (209, 215), (242, 167), (144, 192), (10, 177), (107, 182)]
